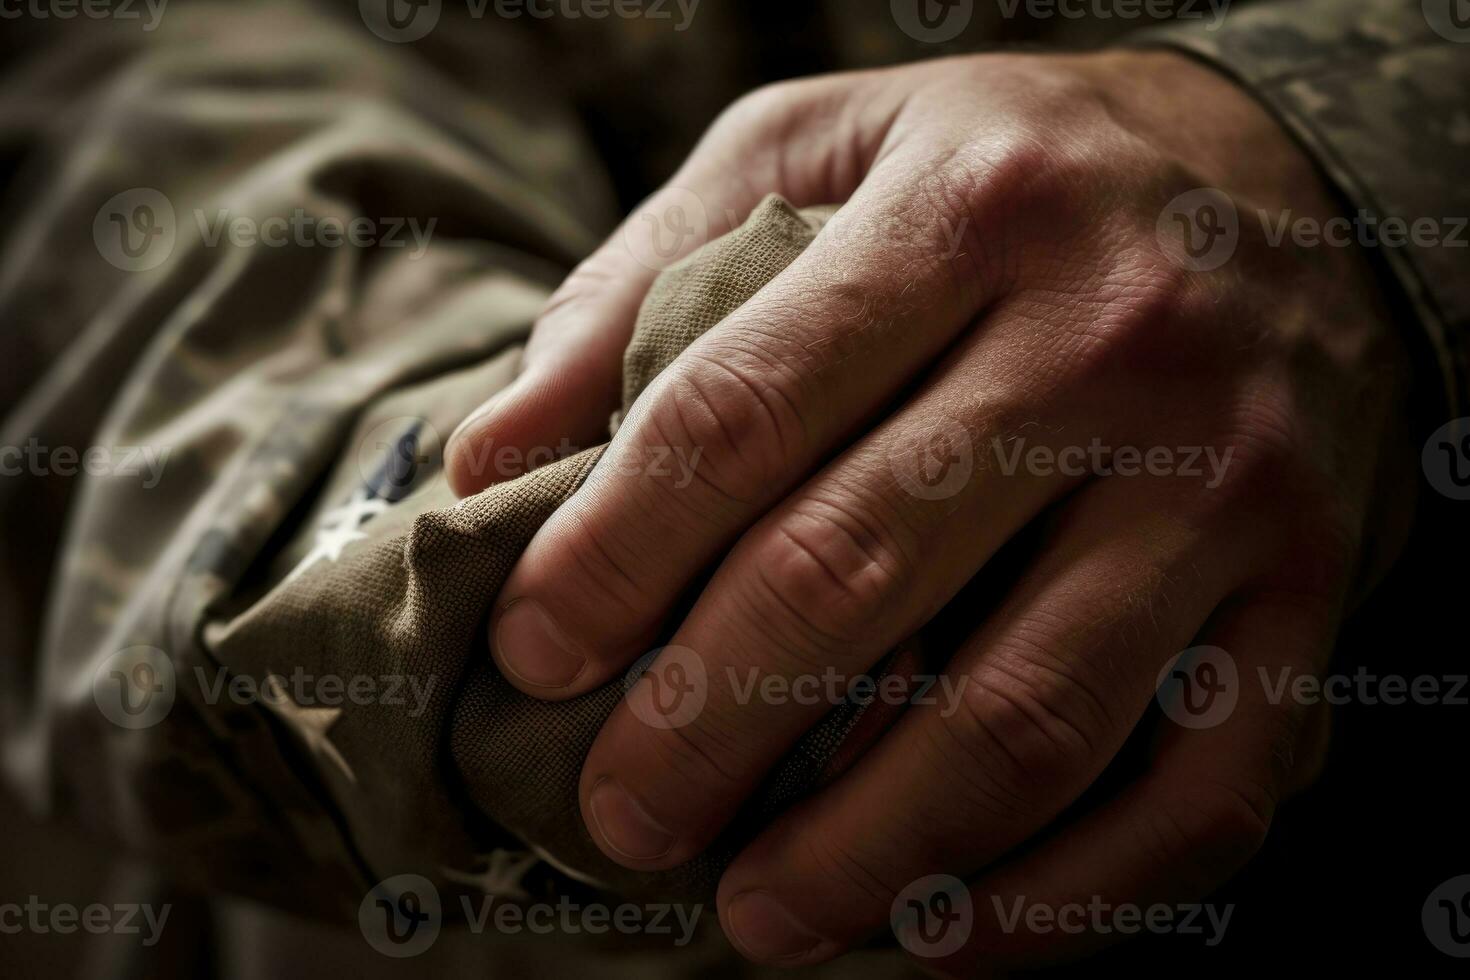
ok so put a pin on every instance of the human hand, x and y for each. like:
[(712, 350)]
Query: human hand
[(1001, 277)]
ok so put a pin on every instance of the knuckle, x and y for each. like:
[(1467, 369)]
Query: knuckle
[(768, 108), (1280, 468), (796, 136), (1027, 173), (595, 569), (1132, 319), (1018, 736), (1217, 825), (760, 103), (1262, 465), (597, 272), (759, 119), (703, 754), (595, 278), (852, 868), (1265, 434), (740, 419), (697, 754), (832, 570), (1283, 737), (982, 205)]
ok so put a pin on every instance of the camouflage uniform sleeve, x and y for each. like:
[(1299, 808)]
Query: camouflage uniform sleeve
[(1377, 91)]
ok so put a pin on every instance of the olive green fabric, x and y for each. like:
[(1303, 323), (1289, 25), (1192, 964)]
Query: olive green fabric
[(292, 537), (412, 598), (251, 373)]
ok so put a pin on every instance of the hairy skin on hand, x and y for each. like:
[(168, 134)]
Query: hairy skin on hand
[(997, 270)]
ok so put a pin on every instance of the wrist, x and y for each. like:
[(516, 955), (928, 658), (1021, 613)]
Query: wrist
[(1211, 125)]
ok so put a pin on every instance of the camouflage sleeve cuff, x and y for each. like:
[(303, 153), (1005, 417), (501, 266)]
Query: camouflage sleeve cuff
[(1377, 91)]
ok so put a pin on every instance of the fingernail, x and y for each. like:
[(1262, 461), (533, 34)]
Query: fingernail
[(532, 648), (624, 824), (766, 932)]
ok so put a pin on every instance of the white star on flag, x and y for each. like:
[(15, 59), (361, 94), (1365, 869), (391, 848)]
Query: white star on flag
[(502, 876), (309, 723), (339, 528)]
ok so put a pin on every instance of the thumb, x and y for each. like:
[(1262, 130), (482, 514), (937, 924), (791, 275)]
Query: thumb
[(570, 380), (571, 375)]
